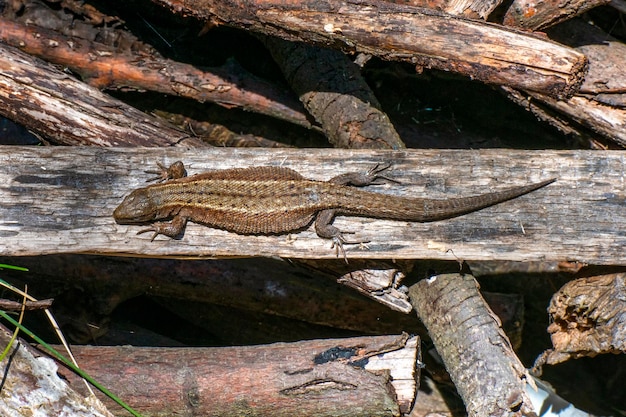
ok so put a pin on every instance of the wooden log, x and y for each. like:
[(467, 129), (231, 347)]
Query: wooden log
[(599, 105), (333, 91), (57, 106), (60, 200), (597, 112), (606, 123), (533, 15), (601, 102), (365, 376), (477, 354), (426, 38), (106, 67)]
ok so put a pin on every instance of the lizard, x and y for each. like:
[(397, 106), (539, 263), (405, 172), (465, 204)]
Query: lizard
[(268, 200)]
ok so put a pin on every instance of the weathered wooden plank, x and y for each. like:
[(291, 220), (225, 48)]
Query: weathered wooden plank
[(60, 200)]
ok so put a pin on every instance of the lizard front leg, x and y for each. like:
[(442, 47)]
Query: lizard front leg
[(171, 229)]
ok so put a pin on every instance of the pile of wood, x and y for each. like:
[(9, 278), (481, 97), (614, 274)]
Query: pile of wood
[(57, 58)]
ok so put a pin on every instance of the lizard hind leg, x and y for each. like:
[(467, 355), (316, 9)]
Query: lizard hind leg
[(360, 179), (325, 229)]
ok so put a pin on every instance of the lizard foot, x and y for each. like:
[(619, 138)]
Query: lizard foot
[(339, 241), (173, 229), (373, 175), (176, 170), (361, 179), (151, 229)]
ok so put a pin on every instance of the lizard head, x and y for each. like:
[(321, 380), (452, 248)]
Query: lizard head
[(137, 207)]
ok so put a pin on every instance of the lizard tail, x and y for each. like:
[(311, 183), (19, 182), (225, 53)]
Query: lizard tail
[(428, 210), (444, 209)]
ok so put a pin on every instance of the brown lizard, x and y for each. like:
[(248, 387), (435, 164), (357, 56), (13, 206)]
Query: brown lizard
[(275, 200)]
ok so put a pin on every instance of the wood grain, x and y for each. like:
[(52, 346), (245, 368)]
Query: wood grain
[(60, 200)]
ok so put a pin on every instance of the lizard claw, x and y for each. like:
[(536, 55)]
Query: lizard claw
[(337, 244), (151, 229), (374, 173)]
